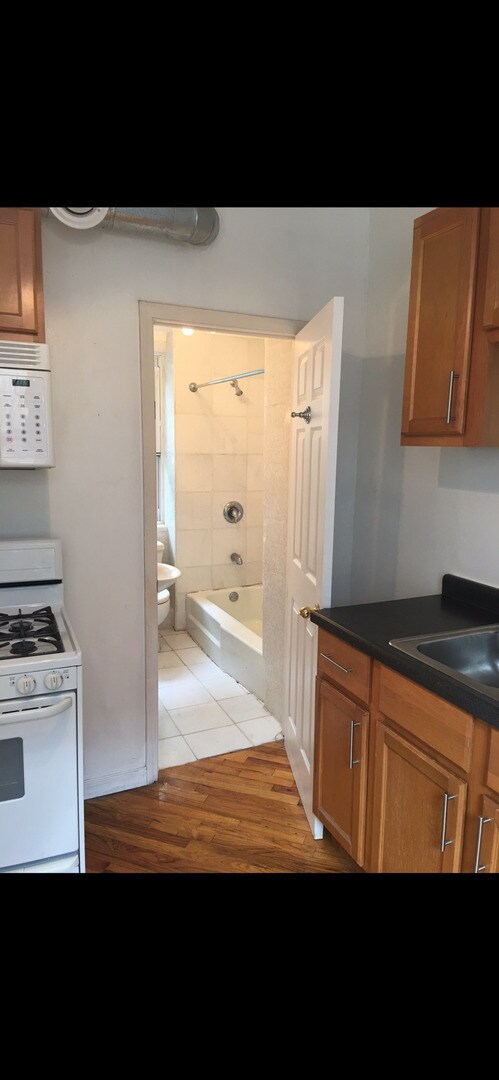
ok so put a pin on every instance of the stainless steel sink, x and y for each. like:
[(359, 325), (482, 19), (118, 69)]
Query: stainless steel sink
[(470, 656)]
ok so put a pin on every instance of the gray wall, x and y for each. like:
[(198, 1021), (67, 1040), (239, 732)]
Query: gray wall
[(419, 511), (280, 261)]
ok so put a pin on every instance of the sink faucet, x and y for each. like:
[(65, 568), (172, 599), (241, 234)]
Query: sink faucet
[(236, 558)]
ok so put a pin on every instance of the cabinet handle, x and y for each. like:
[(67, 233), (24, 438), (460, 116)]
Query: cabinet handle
[(445, 843), (346, 670), (351, 760), (452, 378), (481, 822)]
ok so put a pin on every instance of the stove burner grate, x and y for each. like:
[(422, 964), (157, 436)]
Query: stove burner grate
[(29, 633)]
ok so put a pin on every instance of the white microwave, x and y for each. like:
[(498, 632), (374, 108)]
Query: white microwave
[(26, 440)]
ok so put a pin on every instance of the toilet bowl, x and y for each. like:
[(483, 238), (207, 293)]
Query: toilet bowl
[(163, 605), (166, 575)]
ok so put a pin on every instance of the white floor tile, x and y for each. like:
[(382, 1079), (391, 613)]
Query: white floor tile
[(179, 639), (174, 752), (224, 686), (178, 693), (205, 671), (217, 741), (166, 727), (260, 730), (200, 718), (191, 657), (163, 645), (170, 659), (246, 707)]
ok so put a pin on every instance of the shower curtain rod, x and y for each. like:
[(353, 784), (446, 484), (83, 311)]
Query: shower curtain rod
[(230, 378)]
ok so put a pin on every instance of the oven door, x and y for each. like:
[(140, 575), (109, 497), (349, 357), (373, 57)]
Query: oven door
[(38, 779)]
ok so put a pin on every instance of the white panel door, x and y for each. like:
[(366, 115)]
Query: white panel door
[(316, 384)]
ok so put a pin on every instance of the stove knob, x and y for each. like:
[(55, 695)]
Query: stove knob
[(26, 684), (53, 680)]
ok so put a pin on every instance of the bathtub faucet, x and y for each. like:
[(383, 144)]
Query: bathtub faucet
[(236, 558)]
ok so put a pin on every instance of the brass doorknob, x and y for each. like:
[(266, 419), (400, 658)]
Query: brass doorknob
[(305, 611)]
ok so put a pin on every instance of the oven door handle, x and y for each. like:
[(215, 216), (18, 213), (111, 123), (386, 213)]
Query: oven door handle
[(42, 712)]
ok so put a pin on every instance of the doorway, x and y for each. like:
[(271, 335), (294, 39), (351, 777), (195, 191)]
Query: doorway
[(275, 336)]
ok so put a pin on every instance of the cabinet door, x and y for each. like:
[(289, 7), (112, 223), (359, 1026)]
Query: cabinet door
[(440, 321), (487, 848), (21, 296), (491, 304), (418, 813), (340, 772)]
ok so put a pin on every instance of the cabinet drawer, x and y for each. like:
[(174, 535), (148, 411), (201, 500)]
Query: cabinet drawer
[(344, 665), (492, 779), (436, 722)]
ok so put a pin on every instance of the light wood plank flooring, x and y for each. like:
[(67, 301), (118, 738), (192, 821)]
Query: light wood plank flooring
[(238, 813)]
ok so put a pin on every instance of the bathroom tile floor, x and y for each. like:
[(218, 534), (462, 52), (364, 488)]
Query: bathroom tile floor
[(202, 711)]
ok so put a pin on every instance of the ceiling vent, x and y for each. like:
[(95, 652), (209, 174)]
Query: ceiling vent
[(188, 224)]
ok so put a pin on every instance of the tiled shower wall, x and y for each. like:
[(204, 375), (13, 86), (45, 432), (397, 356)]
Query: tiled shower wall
[(218, 458)]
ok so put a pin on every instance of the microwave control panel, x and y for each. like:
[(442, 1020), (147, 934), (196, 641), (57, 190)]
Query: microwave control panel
[(25, 420)]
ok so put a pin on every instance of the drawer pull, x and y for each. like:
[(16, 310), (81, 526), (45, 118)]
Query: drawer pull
[(351, 760), (445, 843), (481, 822), (346, 670)]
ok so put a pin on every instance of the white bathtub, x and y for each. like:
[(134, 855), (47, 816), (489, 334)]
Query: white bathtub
[(230, 632)]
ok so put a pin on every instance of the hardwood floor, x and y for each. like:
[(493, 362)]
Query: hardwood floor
[(238, 813)]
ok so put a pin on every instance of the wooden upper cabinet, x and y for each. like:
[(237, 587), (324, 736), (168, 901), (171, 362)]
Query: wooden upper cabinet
[(441, 304), (451, 389), (491, 302), (21, 284)]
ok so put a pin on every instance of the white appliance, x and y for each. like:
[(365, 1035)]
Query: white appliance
[(25, 406), (41, 753)]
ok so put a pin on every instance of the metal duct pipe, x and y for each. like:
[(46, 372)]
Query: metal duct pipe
[(189, 224)]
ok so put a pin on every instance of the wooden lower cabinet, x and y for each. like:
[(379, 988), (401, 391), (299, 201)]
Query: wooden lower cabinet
[(418, 811), (340, 772), (487, 847)]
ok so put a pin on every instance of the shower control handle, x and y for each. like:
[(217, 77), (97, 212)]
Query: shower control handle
[(233, 512)]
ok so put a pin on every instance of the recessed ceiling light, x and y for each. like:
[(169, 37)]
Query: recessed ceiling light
[(188, 331)]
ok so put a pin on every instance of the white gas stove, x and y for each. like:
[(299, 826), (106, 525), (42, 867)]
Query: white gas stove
[(41, 759)]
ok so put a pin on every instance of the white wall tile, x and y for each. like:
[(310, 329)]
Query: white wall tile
[(229, 471), (193, 548), (194, 472), (194, 579), (255, 472), (255, 434), (179, 614), (194, 510), (227, 575), (230, 435), (253, 573), (254, 504), (254, 544), (226, 542), (193, 436)]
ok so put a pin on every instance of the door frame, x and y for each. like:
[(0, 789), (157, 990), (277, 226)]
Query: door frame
[(199, 319)]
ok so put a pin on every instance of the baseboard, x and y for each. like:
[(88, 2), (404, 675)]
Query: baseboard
[(106, 785)]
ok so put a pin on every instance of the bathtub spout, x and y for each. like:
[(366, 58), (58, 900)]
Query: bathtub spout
[(236, 558)]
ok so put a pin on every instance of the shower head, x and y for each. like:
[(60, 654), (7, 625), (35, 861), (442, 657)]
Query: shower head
[(237, 388)]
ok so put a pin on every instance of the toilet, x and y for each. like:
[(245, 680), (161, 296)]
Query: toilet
[(166, 575)]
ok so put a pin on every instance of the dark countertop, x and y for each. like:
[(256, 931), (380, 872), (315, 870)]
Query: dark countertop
[(462, 604)]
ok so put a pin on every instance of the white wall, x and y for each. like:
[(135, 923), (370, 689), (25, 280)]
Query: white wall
[(420, 511), (280, 261)]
